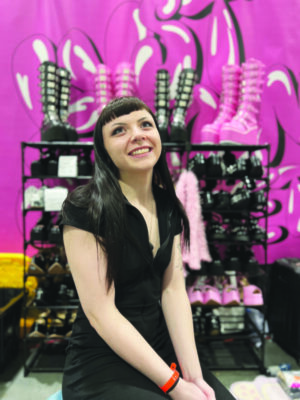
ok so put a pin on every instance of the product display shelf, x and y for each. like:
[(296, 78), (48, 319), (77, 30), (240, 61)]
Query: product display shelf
[(45, 351), (236, 349), (47, 354)]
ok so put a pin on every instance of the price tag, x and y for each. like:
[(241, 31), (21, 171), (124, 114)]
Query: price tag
[(54, 197), (67, 166)]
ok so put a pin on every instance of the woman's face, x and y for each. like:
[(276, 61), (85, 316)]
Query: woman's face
[(132, 142)]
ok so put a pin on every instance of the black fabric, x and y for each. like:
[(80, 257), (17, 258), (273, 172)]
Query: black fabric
[(92, 370)]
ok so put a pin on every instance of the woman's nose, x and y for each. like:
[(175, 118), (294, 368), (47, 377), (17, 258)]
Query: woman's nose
[(138, 134)]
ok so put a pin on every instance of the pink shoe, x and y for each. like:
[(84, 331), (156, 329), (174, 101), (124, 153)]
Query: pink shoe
[(252, 296), (104, 91), (195, 296), (228, 103), (230, 296), (124, 80), (244, 127), (211, 296)]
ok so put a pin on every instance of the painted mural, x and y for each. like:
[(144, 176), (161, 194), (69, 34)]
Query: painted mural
[(168, 34)]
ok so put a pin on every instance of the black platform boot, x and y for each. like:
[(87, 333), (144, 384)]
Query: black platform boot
[(52, 128), (162, 102), (63, 103), (187, 80)]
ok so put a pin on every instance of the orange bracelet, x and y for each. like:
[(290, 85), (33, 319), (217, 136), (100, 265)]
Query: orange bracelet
[(166, 388)]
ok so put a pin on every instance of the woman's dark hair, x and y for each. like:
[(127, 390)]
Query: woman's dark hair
[(102, 195)]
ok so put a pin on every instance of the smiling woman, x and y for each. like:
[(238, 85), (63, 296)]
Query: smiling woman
[(122, 238), (133, 137)]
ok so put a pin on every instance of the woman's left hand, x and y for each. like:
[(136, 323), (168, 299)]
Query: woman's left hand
[(209, 392)]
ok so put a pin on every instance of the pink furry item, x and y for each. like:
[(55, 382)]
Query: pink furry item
[(188, 193)]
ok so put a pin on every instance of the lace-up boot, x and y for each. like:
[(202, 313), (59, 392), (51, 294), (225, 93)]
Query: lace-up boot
[(231, 75), (244, 127)]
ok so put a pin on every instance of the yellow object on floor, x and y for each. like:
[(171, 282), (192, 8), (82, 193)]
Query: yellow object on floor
[(12, 272)]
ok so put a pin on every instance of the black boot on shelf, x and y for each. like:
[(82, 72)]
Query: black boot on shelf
[(52, 164), (222, 200), (187, 80), (52, 128), (215, 231), (56, 266), (232, 260), (258, 200), (207, 200), (162, 103), (38, 264), (215, 166), (216, 266), (42, 228), (254, 167), (38, 167), (257, 233), (241, 199), (63, 102), (250, 265), (55, 236), (198, 165), (85, 165), (238, 231)]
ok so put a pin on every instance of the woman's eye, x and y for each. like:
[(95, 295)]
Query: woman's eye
[(117, 130), (146, 124)]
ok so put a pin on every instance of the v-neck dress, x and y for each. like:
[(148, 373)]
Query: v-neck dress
[(93, 371)]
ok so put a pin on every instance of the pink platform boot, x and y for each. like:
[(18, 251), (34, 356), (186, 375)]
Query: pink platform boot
[(231, 75), (104, 90), (124, 80), (244, 128)]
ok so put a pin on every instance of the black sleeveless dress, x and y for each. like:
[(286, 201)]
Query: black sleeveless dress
[(92, 370)]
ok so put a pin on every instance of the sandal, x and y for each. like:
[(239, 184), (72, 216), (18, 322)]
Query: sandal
[(252, 296), (230, 296), (211, 296)]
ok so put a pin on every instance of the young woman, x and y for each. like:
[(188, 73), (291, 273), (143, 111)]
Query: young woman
[(122, 238)]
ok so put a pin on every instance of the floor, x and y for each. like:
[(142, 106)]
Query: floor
[(39, 386)]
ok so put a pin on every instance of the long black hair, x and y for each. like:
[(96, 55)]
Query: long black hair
[(103, 197)]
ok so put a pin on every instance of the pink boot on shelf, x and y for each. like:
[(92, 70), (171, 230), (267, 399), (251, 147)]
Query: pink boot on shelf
[(244, 127), (230, 296), (124, 80), (195, 296), (231, 75), (104, 90), (211, 295), (252, 296)]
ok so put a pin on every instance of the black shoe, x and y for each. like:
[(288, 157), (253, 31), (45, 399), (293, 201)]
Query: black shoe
[(52, 128), (63, 102), (254, 167), (85, 165), (222, 200), (258, 200), (257, 233), (214, 166), (241, 199), (162, 103), (198, 165), (238, 232), (41, 230), (187, 79)]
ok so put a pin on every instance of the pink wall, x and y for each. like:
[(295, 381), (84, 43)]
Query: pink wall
[(152, 34)]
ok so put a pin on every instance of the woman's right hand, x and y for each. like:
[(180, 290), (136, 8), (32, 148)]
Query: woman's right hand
[(185, 390)]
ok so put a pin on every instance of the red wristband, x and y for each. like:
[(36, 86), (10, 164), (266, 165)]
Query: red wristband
[(172, 381)]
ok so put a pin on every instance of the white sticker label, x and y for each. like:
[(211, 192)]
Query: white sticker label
[(54, 197), (67, 166)]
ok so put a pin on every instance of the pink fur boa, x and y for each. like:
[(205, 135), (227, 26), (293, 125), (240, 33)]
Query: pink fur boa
[(187, 190)]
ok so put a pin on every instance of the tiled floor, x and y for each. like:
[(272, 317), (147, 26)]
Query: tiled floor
[(39, 386)]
